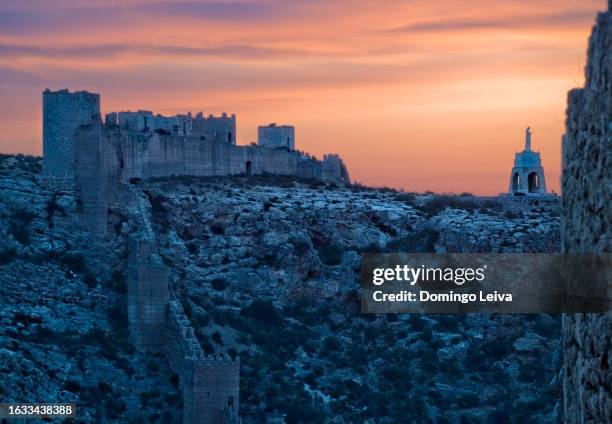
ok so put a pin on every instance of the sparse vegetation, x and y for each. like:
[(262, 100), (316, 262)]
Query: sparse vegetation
[(219, 284), (20, 221), (330, 254), (439, 203)]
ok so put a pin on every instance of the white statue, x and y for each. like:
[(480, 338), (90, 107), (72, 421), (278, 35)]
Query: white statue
[(528, 139)]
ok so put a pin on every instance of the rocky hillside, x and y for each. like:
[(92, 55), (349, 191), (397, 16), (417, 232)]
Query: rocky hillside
[(63, 314), (267, 269)]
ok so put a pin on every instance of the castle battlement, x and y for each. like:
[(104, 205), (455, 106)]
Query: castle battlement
[(96, 157), (100, 160), (210, 383), (220, 128)]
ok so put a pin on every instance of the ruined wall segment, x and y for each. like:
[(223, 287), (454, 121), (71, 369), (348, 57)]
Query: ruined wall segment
[(145, 120), (333, 170), (146, 155), (63, 113), (148, 296), (210, 383), (97, 172), (142, 145), (587, 227), (215, 128), (212, 390)]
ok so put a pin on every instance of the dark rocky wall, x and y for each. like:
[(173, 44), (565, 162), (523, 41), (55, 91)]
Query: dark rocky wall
[(586, 227)]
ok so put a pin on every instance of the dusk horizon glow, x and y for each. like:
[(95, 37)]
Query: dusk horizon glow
[(412, 94)]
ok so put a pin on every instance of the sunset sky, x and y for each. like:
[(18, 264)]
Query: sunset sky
[(414, 94)]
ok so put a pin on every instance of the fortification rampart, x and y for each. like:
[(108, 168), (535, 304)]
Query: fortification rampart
[(142, 155), (100, 160), (95, 158), (107, 156), (63, 112), (210, 383), (148, 296), (217, 128)]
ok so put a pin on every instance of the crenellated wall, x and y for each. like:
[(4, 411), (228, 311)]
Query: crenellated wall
[(83, 153), (210, 383), (146, 155), (333, 170), (586, 211), (100, 160), (107, 156)]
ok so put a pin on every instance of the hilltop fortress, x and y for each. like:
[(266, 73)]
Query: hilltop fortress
[(80, 151), (99, 160)]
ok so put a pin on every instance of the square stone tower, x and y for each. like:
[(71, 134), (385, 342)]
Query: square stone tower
[(63, 112), (276, 136), (219, 128), (211, 391)]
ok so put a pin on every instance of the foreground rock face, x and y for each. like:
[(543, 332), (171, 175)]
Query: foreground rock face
[(587, 227)]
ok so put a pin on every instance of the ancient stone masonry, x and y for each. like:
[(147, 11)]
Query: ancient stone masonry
[(222, 128), (63, 112), (333, 169), (587, 227), (148, 296), (215, 128), (79, 148), (276, 136), (210, 384), (100, 160)]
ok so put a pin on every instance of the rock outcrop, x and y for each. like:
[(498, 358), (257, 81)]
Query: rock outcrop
[(587, 227)]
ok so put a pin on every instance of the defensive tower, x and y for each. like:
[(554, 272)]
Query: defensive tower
[(63, 113)]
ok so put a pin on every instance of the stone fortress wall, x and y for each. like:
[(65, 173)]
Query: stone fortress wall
[(100, 160), (587, 227), (98, 157), (210, 384), (137, 154), (148, 296)]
